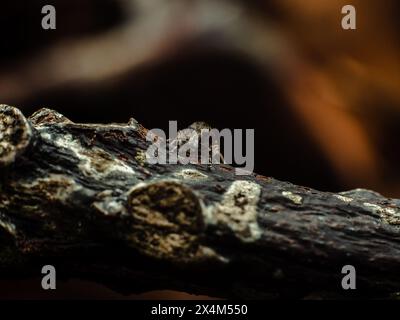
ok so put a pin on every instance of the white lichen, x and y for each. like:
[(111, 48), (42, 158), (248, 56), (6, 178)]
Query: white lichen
[(296, 199), (140, 157), (92, 162), (361, 193), (343, 198), (388, 215), (373, 207), (207, 253), (190, 174), (9, 227), (238, 210), (110, 205)]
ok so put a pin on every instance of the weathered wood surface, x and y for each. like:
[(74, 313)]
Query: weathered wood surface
[(83, 197)]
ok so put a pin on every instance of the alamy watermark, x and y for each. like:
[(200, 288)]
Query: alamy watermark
[(348, 20), (49, 18), (349, 280), (49, 278), (200, 144)]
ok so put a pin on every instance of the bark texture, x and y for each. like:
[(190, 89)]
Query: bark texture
[(83, 198)]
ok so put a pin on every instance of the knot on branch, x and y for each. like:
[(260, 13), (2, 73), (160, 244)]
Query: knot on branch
[(15, 134), (238, 211), (167, 220)]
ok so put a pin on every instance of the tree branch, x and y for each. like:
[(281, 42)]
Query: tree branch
[(83, 197)]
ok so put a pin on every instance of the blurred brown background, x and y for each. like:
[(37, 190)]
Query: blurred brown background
[(325, 103)]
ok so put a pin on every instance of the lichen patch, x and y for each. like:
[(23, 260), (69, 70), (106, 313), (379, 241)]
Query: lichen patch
[(110, 206), (388, 215), (93, 162), (141, 157), (190, 174), (53, 188), (373, 207), (296, 199), (7, 226), (343, 198), (238, 210)]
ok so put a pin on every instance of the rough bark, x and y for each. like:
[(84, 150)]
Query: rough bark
[(83, 197)]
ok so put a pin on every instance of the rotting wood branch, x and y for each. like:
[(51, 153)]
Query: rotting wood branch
[(82, 197)]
